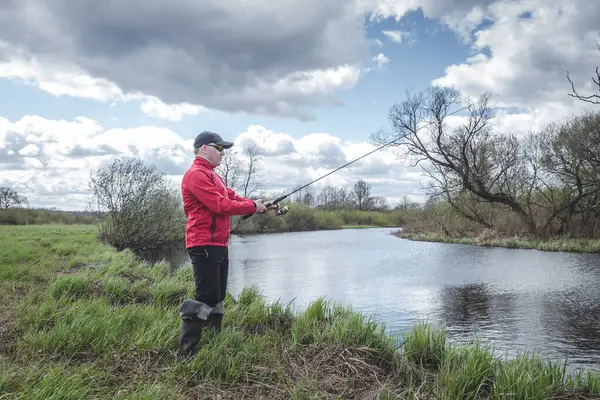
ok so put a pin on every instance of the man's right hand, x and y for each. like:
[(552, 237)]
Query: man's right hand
[(260, 207)]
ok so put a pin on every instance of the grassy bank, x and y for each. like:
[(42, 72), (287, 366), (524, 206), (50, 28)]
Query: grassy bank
[(487, 240), (80, 320)]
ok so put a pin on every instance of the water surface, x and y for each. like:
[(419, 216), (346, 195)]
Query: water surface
[(513, 299)]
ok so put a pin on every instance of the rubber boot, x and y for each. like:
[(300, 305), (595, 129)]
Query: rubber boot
[(191, 326), (190, 335), (214, 321)]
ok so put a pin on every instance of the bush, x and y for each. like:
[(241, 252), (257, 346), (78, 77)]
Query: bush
[(143, 209)]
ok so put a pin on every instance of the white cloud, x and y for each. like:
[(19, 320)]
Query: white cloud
[(50, 161), (397, 36), (380, 60), (58, 80), (522, 51), (156, 108), (524, 60)]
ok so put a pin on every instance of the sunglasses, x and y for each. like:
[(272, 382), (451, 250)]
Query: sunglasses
[(217, 146)]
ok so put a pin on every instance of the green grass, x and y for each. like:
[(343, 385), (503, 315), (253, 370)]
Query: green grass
[(556, 244), (90, 322)]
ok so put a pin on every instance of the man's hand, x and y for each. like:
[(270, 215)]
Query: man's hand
[(260, 207)]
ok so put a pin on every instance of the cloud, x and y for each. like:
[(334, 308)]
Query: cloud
[(524, 54), (397, 36), (156, 108), (522, 51), (235, 56), (50, 161), (56, 80), (317, 154), (442, 9), (46, 159), (380, 60)]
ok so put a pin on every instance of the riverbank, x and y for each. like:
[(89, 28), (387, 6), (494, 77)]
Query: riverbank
[(555, 245), (303, 218), (80, 320)]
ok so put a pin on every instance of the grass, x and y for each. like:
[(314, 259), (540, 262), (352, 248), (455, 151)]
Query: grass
[(80, 320), (556, 244)]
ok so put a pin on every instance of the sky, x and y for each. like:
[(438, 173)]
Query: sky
[(307, 81)]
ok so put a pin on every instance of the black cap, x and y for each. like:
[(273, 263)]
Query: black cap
[(207, 137)]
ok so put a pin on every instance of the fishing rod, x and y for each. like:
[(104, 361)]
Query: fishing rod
[(277, 200)]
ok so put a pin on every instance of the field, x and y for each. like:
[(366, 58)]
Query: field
[(81, 320)]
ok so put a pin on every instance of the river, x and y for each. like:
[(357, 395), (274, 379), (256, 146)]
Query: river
[(513, 299)]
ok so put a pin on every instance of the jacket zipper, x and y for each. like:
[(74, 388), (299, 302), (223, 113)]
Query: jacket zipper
[(213, 227)]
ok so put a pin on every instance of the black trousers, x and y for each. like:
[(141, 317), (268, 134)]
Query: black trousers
[(211, 269)]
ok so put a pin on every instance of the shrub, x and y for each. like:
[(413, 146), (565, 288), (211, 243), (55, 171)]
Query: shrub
[(143, 209)]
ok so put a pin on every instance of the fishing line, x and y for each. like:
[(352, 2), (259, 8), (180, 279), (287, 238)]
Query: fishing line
[(277, 200)]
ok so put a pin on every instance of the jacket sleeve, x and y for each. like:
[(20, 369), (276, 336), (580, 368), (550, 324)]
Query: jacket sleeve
[(234, 196), (203, 188)]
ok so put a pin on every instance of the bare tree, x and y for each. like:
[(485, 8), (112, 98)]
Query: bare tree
[(469, 158), (362, 195), (309, 197), (327, 197), (9, 197), (572, 158), (231, 170), (407, 204), (593, 98), (252, 173), (379, 203)]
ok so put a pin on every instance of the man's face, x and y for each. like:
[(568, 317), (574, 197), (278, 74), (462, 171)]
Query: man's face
[(214, 153)]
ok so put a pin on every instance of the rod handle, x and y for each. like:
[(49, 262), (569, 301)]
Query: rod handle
[(277, 200)]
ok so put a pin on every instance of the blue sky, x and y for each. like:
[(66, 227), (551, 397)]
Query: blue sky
[(520, 49)]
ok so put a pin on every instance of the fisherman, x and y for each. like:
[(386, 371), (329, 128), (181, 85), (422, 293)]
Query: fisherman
[(208, 204)]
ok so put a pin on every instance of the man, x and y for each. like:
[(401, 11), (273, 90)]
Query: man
[(208, 205)]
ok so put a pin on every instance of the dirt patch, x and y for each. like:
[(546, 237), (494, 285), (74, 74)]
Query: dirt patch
[(324, 372)]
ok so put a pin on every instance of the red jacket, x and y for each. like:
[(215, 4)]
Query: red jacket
[(208, 204)]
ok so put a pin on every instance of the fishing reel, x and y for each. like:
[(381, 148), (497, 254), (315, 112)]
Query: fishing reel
[(273, 205), (279, 211), (282, 211)]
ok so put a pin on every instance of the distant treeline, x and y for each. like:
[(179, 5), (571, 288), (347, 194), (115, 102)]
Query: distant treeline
[(31, 216), (304, 218)]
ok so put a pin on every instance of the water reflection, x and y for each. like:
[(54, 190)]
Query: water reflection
[(467, 306), (514, 299), (572, 319)]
